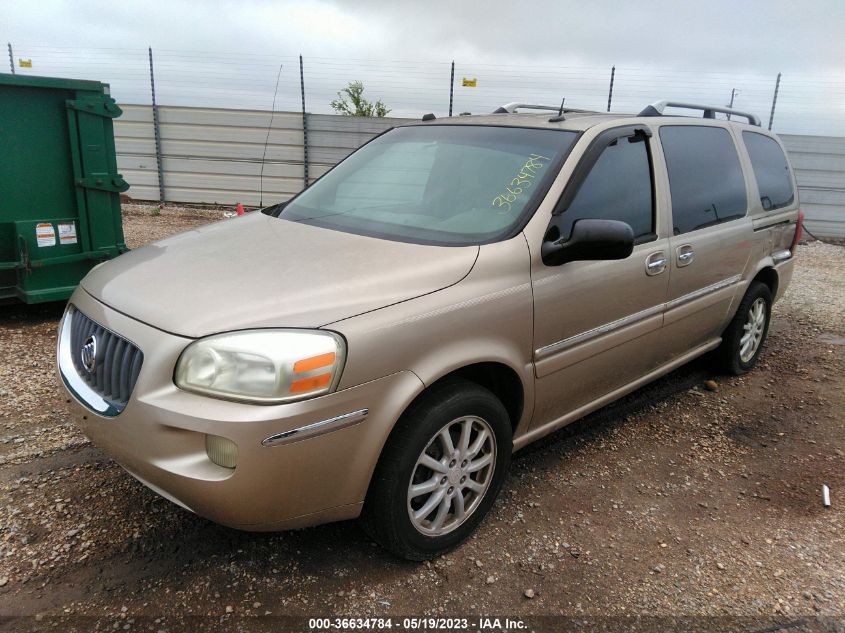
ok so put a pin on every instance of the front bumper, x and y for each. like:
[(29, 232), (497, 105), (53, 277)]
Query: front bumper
[(307, 479)]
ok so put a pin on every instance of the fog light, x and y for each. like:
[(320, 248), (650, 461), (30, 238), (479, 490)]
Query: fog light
[(221, 451)]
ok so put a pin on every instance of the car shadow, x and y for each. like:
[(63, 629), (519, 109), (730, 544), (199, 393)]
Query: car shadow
[(14, 312)]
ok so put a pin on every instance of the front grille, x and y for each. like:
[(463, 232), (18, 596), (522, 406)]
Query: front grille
[(117, 361)]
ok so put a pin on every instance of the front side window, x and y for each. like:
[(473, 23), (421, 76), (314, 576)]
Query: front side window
[(436, 184), (705, 177), (770, 170), (618, 187)]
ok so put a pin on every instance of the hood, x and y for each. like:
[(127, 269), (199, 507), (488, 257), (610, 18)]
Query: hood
[(261, 271)]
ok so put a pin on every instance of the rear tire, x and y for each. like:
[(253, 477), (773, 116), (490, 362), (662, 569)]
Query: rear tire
[(744, 337), (440, 471)]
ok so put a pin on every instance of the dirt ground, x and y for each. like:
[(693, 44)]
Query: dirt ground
[(677, 502)]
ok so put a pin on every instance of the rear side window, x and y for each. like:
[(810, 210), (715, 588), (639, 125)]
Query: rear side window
[(618, 187), (705, 177), (770, 170)]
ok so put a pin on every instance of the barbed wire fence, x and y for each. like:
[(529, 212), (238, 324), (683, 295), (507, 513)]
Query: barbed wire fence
[(805, 104)]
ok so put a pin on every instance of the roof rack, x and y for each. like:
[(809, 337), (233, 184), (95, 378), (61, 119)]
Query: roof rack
[(511, 108), (656, 109)]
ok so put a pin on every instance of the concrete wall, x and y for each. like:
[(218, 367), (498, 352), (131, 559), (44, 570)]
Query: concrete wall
[(214, 156)]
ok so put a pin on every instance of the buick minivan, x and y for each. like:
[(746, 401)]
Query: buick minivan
[(380, 344)]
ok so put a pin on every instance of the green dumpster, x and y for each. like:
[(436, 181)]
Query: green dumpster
[(59, 186)]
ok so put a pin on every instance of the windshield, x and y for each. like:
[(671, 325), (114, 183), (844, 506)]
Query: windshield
[(436, 184)]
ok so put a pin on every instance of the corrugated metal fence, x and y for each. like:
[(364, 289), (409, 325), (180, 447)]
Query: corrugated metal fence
[(214, 156), (819, 163)]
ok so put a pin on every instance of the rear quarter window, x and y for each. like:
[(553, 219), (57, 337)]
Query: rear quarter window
[(705, 176), (771, 171)]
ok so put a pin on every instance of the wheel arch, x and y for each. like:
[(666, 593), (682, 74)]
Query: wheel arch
[(769, 276), (498, 378)]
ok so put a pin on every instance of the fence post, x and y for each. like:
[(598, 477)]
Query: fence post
[(304, 126), (11, 58), (610, 90), (156, 132), (774, 102), (451, 87)]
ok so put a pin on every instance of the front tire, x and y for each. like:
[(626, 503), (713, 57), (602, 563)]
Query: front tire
[(743, 339), (440, 471)]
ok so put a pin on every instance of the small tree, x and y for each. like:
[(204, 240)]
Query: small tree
[(357, 105)]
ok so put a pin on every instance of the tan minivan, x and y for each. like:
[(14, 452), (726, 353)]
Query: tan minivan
[(455, 289)]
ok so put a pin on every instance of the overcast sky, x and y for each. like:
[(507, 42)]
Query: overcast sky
[(227, 53)]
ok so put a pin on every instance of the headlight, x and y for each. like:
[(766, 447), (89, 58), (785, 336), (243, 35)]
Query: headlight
[(263, 366)]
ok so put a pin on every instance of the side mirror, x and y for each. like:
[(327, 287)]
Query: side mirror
[(590, 240)]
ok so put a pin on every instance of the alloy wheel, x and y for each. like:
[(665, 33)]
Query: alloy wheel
[(755, 325), (451, 476)]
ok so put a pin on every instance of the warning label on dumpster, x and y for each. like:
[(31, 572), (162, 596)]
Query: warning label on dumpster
[(67, 232), (45, 234)]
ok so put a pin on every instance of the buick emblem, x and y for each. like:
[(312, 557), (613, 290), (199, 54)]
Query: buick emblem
[(88, 354)]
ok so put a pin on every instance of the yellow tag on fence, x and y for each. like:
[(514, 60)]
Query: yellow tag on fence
[(469, 83), (25, 63)]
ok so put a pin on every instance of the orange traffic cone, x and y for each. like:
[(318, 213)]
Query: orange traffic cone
[(240, 209)]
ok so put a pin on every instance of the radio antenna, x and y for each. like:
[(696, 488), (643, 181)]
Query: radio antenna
[(267, 140)]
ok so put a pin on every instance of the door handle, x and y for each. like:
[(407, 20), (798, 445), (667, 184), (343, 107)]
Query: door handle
[(655, 263), (685, 255)]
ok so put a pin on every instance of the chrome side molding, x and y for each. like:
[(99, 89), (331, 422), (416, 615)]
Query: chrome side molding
[(607, 328), (317, 428), (702, 292)]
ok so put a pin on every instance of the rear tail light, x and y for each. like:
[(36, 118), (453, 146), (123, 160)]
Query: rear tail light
[(799, 231)]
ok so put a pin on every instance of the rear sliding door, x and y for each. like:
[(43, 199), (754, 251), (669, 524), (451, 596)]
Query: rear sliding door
[(711, 233)]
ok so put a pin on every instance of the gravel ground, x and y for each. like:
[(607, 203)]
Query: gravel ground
[(678, 502), (146, 223)]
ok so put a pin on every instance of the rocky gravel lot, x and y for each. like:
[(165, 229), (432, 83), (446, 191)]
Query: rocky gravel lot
[(685, 500)]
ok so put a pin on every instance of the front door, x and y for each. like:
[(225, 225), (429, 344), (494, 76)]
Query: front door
[(597, 323)]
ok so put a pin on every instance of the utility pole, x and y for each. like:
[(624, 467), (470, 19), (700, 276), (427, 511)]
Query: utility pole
[(734, 92), (610, 90), (11, 58)]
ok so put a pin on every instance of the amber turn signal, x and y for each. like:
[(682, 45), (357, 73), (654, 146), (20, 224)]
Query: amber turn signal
[(311, 383)]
